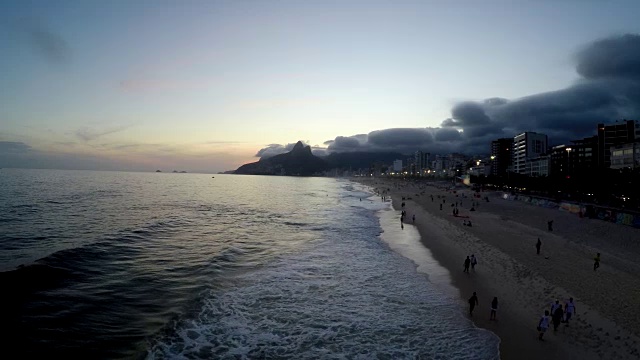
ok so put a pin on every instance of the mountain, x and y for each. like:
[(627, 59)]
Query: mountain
[(297, 162)]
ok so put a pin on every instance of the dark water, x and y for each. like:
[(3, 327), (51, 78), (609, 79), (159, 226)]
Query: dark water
[(145, 265)]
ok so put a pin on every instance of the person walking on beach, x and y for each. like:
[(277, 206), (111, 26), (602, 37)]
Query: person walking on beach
[(414, 218), (473, 301), (494, 308), (555, 306), (474, 262), (550, 225), (543, 325), (467, 262), (569, 309), (440, 206), (538, 245), (596, 262), (556, 317)]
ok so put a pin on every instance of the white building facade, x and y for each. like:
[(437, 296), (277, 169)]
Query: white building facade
[(527, 146)]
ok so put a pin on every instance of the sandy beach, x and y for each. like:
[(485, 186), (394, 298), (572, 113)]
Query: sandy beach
[(503, 238)]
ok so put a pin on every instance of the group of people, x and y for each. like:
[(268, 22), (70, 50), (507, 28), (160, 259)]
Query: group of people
[(557, 313), (470, 261), (555, 316), (473, 301)]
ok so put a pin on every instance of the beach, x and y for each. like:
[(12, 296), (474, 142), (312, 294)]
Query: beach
[(503, 236)]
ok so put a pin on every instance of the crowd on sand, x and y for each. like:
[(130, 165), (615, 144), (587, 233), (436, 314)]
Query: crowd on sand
[(500, 230)]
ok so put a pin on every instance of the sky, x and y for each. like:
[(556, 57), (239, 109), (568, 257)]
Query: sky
[(206, 86)]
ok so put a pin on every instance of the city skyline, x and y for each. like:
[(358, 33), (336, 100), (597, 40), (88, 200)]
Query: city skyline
[(208, 86)]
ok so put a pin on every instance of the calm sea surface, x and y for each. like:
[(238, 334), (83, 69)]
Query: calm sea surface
[(182, 266)]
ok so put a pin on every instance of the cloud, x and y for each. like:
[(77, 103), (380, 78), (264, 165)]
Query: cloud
[(616, 57), (446, 134), (273, 150), (46, 42), (277, 149), (14, 147), (608, 90), (87, 134)]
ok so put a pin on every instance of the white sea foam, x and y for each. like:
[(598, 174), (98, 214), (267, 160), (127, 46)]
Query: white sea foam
[(345, 295)]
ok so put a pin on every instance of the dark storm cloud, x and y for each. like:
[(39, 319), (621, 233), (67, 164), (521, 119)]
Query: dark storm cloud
[(612, 57), (495, 101), (346, 143), (447, 134), (273, 149), (404, 140), (608, 90), (473, 120), (393, 137), (467, 114)]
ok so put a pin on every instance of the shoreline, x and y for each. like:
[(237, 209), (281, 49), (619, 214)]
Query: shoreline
[(508, 268), (409, 244)]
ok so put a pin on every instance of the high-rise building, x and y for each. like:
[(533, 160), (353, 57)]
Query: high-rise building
[(559, 161), (501, 156), (397, 165), (583, 155), (619, 133), (625, 156), (457, 161), (527, 145), (422, 161)]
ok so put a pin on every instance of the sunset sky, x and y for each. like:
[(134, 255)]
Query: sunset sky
[(206, 85)]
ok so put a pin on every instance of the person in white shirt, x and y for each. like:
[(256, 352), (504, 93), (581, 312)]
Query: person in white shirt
[(569, 310), (543, 325)]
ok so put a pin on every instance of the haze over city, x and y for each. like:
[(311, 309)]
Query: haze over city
[(208, 86)]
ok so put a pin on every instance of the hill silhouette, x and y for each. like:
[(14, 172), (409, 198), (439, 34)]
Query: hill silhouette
[(297, 162)]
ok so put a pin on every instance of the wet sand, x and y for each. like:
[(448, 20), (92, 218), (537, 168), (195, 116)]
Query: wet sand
[(503, 238)]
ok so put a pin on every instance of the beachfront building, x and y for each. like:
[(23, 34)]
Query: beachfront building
[(422, 161), (538, 166), (527, 146), (457, 162), (440, 163), (625, 156), (560, 158), (584, 155), (397, 165), (501, 156), (619, 133), (481, 169)]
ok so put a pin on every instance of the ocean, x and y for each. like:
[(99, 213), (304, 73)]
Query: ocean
[(118, 265)]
